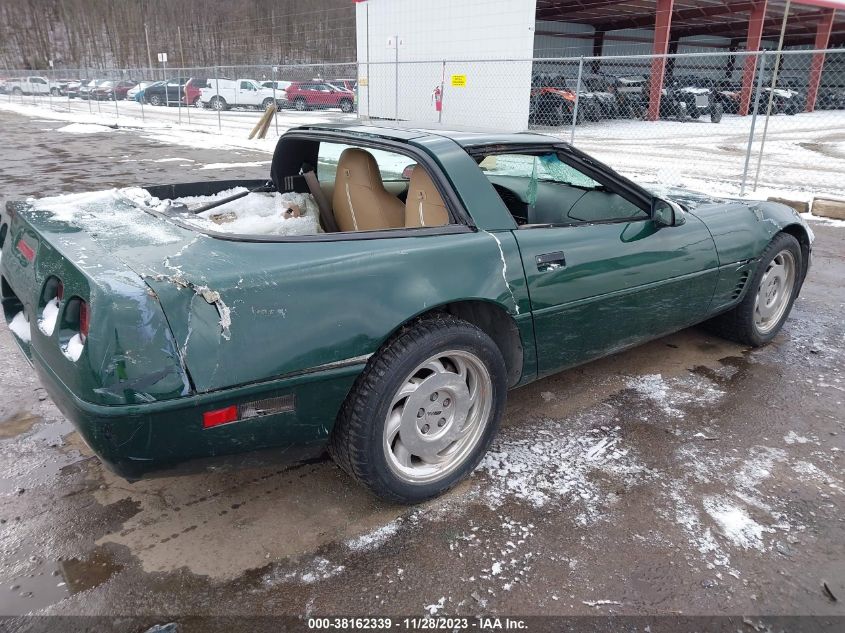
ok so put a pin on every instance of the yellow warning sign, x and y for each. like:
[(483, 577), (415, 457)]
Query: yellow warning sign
[(363, 81), (459, 81)]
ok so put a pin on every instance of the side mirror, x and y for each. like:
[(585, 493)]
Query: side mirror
[(406, 173), (667, 213)]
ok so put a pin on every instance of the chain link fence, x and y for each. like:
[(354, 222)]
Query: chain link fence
[(725, 122)]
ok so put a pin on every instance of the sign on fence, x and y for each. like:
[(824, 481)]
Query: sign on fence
[(459, 81)]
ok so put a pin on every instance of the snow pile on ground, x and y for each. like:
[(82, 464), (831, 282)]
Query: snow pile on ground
[(47, 322), (317, 569), (254, 214), (554, 462), (20, 326), (734, 523), (669, 395), (106, 212), (74, 347), (376, 538), (85, 128)]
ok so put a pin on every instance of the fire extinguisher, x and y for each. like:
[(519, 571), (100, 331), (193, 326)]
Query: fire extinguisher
[(438, 99)]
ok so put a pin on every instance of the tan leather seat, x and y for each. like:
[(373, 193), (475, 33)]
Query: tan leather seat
[(360, 201), (424, 206)]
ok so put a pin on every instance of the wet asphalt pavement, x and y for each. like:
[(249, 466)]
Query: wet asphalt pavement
[(688, 476)]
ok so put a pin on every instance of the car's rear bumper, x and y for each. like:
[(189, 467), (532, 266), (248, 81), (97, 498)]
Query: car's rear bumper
[(165, 436)]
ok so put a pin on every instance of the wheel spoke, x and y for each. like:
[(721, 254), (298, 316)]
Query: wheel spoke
[(435, 365), (407, 389), (394, 421), (402, 454)]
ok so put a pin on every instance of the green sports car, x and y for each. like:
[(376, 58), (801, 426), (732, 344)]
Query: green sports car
[(376, 297)]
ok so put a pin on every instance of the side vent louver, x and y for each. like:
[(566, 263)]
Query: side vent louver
[(740, 284)]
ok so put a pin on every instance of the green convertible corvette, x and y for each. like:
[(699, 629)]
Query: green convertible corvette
[(377, 296)]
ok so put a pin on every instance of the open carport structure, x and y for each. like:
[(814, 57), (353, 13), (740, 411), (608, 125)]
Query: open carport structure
[(735, 25)]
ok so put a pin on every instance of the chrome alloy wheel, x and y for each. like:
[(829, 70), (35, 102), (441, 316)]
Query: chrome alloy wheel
[(774, 292), (438, 416)]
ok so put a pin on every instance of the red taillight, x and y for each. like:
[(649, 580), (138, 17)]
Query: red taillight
[(26, 250), (219, 416), (60, 291), (83, 318)]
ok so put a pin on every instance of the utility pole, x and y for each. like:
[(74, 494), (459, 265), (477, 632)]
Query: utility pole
[(181, 50), (149, 54)]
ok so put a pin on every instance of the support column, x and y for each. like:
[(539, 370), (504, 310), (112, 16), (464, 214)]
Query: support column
[(823, 31), (598, 48), (752, 43), (662, 25)]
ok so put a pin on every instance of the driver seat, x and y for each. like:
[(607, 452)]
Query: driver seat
[(359, 200)]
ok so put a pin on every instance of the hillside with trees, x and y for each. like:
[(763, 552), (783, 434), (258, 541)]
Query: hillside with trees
[(111, 34)]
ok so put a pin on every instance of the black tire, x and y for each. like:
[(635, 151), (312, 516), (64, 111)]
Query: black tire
[(738, 324), (300, 104), (266, 103), (17, 91), (218, 103), (156, 100), (356, 442), (716, 112), (346, 105)]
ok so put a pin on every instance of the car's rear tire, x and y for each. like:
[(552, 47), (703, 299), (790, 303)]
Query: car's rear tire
[(423, 412), (772, 290), (218, 103), (300, 104), (716, 112)]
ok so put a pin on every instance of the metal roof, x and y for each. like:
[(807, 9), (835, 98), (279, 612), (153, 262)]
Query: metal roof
[(724, 18)]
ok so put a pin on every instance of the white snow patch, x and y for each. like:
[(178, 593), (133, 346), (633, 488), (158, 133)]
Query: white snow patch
[(106, 212), (257, 163), (74, 347), (669, 395), (598, 603), (20, 326), (434, 609), (254, 214), (85, 128), (171, 160), (49, 316), (554, 462), (376, 538), (319, 568), (793, 438), (734, 523)]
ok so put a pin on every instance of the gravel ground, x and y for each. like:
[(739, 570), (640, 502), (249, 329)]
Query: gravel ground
[(689, 476)]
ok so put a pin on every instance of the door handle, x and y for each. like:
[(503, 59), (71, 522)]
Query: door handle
[(550, 261)]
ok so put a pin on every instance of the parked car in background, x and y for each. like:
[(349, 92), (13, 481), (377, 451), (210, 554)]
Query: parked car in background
[(170, 92), (222, 94), (136, 93), (308, 95), (111, 90), (72, 90), (32, 85), (193, 91), (280, 86), (87, 86)]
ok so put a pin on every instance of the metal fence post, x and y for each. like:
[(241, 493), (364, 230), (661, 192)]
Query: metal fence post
[(396, 79), (217, 88), (761, 68), (577, 100), (114, 96), (275, 103)]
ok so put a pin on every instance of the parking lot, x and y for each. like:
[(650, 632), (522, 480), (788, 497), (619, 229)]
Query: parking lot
[(689, 476)]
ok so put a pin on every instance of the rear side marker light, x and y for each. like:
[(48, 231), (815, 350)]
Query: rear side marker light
[(248, 410), (26, 250), (84, 319)]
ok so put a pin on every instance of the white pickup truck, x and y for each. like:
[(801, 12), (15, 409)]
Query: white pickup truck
[(32, 86), (222, 94)]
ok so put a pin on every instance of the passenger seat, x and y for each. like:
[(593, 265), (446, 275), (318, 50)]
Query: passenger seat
[(424, 205), (360, 201)]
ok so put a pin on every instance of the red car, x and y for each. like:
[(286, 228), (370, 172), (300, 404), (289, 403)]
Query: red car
[(112, 91), (193, 89), (307, 95)]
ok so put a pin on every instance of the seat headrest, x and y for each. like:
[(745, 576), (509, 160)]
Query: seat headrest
[(424, 205), (358, 167)]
